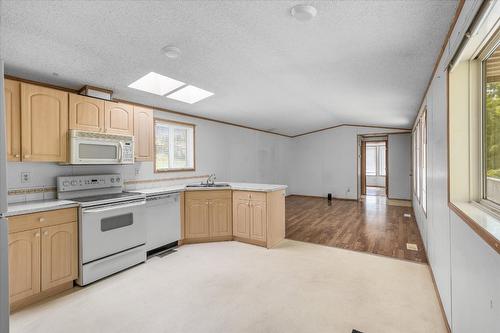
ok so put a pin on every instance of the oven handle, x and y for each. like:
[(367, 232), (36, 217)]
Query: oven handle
[(100, 210)]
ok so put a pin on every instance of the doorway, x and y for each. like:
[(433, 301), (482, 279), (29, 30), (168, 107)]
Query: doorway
[(374, 176)]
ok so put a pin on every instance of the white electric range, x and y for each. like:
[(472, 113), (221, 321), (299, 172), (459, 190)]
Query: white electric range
[(112, 227)]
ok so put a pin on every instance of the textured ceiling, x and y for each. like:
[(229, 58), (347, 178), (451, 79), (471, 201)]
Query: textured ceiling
[(359, 62)]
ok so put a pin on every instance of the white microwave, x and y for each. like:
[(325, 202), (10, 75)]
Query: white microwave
[(100, 148)]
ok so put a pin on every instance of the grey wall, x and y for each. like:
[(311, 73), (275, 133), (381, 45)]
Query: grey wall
[(399, 166), (326, 162), (466, 269)]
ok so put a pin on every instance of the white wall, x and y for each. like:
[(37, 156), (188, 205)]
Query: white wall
[(326, 162), (399, 168), (466, 269), (232, 153)]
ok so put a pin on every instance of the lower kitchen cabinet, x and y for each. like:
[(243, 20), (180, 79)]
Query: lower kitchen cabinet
[(24, 264), (43, 255), (59, 255), (259, 217), (207, 216)]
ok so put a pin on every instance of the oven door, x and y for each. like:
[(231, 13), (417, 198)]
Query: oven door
[(111, 228), (95, 151)]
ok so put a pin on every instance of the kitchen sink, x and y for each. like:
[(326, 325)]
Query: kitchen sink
[(208, 185)]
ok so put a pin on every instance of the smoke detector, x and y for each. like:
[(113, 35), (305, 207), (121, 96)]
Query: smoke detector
[(171, 51), (303, 12)]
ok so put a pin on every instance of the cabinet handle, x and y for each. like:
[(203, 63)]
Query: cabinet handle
[(37, 234), (45, 233), (17, 155), (41, 219)]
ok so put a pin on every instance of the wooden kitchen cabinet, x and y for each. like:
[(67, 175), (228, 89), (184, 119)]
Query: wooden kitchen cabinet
[(24, 264), (118, 118), (143, 133), (12, 97), (259, 217), (220, 217), (208, 216), (197, 219), (241, 217), (43, 255), (85, 113), (59, 255), (44, 124)]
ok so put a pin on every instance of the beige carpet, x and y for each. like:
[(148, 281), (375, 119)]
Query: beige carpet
[(235, 287)]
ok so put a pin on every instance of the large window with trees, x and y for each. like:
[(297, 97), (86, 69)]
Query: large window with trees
[(174, 146), (491, 125)]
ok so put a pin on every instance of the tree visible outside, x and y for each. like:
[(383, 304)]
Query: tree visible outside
[(492, 137)]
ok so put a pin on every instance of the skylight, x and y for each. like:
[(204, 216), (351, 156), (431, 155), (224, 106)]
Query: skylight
[(156, 84), (190, 94)]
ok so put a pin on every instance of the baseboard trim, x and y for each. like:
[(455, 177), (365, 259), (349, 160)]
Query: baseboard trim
[(319, 197), (436, 290), (43, 295)]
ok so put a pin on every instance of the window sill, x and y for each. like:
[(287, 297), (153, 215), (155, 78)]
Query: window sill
[(485, 224)]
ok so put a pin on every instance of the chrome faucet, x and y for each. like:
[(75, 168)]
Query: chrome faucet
[(211, 179)]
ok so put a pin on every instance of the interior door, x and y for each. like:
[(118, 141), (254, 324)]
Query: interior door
[(363, 168)]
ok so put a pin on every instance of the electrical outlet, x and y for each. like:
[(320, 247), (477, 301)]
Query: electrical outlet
[(25, 177), (348, 189)]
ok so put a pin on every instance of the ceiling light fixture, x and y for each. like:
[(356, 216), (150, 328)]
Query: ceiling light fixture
[(157, 84), (171, 51), (303, 12), (190, 94)]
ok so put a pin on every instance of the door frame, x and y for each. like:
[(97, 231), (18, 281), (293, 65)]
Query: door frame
[(361, 147)]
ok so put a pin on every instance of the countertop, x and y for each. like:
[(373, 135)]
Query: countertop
[(46, 205), (232, 186), (38, 206)]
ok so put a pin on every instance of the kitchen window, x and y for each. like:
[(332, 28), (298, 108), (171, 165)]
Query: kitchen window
[(174, 146)]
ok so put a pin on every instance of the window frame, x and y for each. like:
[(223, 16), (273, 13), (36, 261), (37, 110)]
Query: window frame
[(174, 123), (420, 162), (492, 45)]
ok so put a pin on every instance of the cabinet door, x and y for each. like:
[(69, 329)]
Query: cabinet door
[(44, 123), (24, 264), (241, 218), (59, 254), (85, 113), (119, 118), (220, 217), (12, 93), (143, 133), (258, 220), (197, 218)]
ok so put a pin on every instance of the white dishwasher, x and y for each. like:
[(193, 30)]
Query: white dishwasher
[(163, 220)]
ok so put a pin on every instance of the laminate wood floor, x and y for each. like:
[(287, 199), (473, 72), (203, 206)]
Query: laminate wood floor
[(367, 226), (372, 190)]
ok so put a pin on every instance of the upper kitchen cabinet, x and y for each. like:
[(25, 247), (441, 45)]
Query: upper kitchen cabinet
[(85, 113), (119, 118), (12, 93), (143, 133), (44, 124)]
